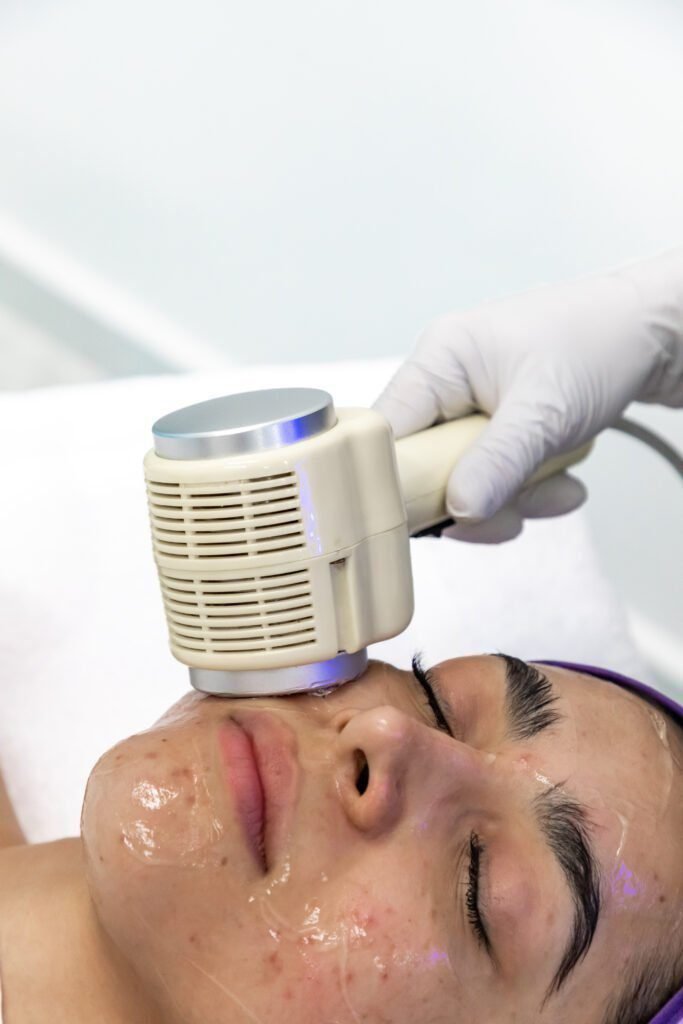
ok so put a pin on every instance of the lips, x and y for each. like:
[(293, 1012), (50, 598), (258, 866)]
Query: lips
[(259, 754), (239, 763)]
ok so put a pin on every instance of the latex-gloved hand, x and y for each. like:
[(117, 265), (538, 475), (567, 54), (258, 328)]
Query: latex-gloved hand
[(552, 367)]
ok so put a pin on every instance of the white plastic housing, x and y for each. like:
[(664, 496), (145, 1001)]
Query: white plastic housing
[(283, 557)]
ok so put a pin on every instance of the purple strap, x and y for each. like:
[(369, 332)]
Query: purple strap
[(672, 1013), (670, 705)]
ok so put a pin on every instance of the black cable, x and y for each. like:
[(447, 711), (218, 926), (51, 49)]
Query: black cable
[(652, 440)]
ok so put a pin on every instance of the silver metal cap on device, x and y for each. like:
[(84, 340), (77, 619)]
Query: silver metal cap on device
[(318, 675), (250, 422)]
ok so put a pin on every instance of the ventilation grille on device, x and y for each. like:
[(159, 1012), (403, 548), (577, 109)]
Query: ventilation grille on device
[(228, 519), (250, 613)]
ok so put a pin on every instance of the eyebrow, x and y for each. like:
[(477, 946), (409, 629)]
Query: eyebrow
[(564, 824), (530, 709), (530, 700)]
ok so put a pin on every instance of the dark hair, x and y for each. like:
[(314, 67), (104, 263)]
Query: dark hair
[(652, 981)]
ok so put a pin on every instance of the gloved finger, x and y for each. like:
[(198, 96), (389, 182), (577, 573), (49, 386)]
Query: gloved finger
[(504, 525), (408, 401), (432, 385), (507, 452), (552, 497)]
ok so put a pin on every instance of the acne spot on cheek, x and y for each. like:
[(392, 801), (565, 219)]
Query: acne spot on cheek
[(381, 966), (362, 919), (275, 961), (164, 740), (662, 899), (190, 801), (151, 755)]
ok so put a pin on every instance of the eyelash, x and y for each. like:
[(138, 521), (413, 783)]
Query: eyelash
[(424, 678), (472, 894), (476, 848)]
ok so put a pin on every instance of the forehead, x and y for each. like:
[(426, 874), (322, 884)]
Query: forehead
[(623, 734), (630, 776)]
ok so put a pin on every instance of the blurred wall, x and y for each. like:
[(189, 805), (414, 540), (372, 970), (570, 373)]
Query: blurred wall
[(310, 179), (635, 508)]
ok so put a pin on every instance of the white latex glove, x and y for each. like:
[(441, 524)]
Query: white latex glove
[(552, 367)]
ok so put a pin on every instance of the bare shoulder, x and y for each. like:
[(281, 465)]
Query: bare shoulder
[(11, 867), (39, 862), (10, 830), (27, 870), (35, 883)]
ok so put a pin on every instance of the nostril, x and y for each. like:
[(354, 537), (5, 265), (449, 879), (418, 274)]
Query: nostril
[(362, 771)]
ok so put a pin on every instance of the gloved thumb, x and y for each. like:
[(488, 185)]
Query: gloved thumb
[(490, 473)]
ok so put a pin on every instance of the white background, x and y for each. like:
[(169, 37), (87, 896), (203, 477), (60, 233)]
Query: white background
[(314, 179)]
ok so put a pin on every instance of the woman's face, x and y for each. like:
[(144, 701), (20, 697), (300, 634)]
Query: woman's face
[(342, 858)]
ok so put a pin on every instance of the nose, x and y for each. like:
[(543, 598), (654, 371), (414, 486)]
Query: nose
[(386, 759), (370, 765)]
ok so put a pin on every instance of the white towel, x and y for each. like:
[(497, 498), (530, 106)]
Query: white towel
[(83, 646)]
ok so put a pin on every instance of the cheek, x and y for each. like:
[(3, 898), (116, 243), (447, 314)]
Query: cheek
[(353, 937), (367, 951), (151, 814), (160, 808)]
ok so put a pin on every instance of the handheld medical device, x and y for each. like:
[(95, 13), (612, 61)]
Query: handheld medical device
[(280, 529)]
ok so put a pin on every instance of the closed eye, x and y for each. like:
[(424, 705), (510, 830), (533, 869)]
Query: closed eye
[(426, 681), (476, 849), (474, 914)]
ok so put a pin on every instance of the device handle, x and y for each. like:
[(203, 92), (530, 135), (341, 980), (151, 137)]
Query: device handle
[(425, 461)]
